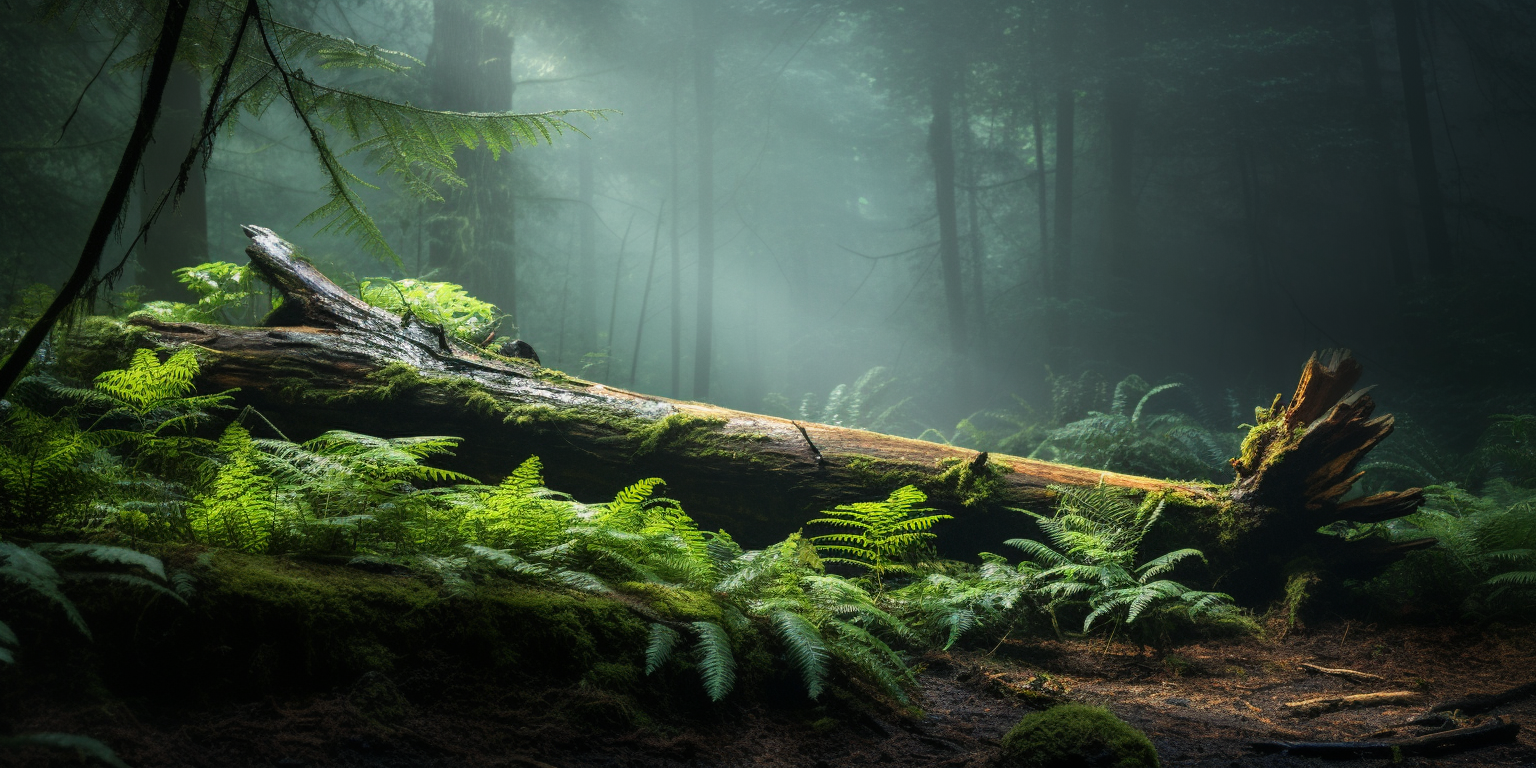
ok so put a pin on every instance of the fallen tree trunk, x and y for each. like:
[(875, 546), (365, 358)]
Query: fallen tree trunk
[(327, 360)]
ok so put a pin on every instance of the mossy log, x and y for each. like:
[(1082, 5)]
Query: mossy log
[(326, 360)]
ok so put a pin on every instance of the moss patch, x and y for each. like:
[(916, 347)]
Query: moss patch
[(271, 624), (95, 344), (1074, 735)]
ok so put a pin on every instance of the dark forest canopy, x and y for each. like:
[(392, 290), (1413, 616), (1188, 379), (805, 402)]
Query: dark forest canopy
[(885, 187)]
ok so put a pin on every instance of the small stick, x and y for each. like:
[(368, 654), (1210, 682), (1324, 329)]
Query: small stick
[(814, 452), (1349, 674), (1318, 706)]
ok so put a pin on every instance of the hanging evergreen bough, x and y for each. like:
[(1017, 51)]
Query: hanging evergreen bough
[(327, 360)]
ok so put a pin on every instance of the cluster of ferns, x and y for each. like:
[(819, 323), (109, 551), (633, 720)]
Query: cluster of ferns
[(122, 462)]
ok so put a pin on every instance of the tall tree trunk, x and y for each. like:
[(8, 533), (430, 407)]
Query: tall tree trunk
[(1120, 106), (1042, 197), (704, 95), (1058, 327), (676, 252), (112, 205), (179, 237), (1437, 240), (471, 71), (1378, 131), (645, 296), (976, 249), (585, 298), (941, 150)]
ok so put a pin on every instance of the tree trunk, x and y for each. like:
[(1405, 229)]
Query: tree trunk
[(179, 236), (328, 361), (1378, 131), (586, 254), (941, 150), (1437, 240), (704, 94), (1066, 114), (1120, 106), (111, 210), (976, 245), (1058, 326), (471, 70), (676, 312)]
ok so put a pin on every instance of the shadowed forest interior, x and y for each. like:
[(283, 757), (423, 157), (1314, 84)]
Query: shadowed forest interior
[(713, 382)]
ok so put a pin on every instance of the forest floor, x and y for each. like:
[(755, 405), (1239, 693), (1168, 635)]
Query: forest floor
[(1200, 704)]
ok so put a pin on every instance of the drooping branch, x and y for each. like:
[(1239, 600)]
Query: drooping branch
[(112, 205)]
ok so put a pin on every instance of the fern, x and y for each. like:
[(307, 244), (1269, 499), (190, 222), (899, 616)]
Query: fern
[(445, 305), (804, 646), (883, 532), (42, 569), (717, 665), (83, 747), (1097, 533), (1128, 437), (240, 509), (659, 648)]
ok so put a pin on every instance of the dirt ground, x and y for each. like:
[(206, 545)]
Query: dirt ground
[(1200, 704)]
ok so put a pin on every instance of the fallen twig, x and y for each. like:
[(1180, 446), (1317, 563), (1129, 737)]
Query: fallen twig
[(1495, 731), (1312, 707), (1472, 705), (1348, 674)]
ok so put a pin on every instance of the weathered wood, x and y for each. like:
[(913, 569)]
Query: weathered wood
[(1477, 704), (1495, 731), (1348, 674), (1325, 704), (327, 360)]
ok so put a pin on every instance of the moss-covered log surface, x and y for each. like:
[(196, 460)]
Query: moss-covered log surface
[(325, 360), (282, 662)]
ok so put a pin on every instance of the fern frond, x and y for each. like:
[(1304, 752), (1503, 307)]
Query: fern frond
[(659, 648), (804, 646), (717, 664)]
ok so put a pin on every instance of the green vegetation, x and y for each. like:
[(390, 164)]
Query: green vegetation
[(1073, 735), (1097, 533), (444, 305)]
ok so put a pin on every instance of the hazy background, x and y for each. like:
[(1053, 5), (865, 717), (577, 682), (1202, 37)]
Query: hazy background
[(1245, 188)]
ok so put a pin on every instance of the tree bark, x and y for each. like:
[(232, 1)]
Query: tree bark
[(586, 254), (1120, 106), (328, 361), (941, 150), (1437, 240), (471, 69), (1378, 131), (111, 205), (704, 95), (179, 236)]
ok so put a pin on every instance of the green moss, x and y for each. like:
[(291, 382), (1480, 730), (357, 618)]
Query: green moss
[(970, 485), (282, 623), (881, 473), (673, 603), (95, 344), (1074, 735), (1301, 577)]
